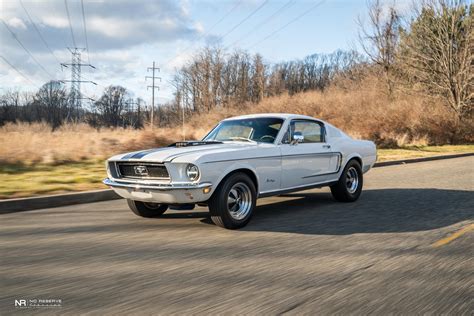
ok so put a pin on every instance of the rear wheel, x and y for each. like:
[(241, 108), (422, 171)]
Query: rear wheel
[(145, 209), (349, 186), (232, 204)]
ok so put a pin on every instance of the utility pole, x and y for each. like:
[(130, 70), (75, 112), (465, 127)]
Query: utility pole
[(76, 65), (153, 87)]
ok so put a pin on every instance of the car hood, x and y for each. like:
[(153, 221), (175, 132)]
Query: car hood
[(187, 153)]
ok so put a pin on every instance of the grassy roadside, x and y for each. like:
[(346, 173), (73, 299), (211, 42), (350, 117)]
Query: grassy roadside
[(40, 179), (422, 151)]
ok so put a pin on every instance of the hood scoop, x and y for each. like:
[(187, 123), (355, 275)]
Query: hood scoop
[(194, 143)]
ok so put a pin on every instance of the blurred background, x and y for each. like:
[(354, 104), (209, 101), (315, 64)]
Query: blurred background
[(82, 80)]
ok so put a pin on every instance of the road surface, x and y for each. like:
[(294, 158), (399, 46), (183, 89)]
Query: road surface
[(301, 253)]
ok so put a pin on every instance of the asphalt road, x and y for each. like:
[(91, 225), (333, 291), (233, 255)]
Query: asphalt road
[(301, 253)]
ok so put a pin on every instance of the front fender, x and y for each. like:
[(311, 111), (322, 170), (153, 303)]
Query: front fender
[(236, 166)]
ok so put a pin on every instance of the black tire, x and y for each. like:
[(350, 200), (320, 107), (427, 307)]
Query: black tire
[(224, 212), (344, 190), (148, 210)]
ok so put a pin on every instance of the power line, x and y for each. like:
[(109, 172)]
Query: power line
[(245, 19), (38, 31), (96, 83), (85, 30), (18, 71), (26, 50), (70, 23), (286, 5), (207, 32), (223, 17), (287, 24), (235, 26)]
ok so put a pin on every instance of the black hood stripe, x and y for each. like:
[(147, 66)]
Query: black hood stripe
[(143, 153), (177, 155)]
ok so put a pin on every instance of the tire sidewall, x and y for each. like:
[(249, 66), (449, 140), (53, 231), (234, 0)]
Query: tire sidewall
[(141, 209), (355, 164), (340, 191), (220, 208)]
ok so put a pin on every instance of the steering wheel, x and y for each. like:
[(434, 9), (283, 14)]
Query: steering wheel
[(272, 138)]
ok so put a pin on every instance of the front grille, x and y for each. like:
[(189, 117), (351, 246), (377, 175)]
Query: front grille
[(142, 170)]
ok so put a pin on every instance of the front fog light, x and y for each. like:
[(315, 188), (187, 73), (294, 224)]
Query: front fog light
[(192, 171)]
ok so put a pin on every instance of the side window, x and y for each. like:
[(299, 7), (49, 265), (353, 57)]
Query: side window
[(312, 131)]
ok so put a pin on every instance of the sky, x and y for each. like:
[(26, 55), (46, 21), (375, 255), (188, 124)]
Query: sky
[(123, 38)]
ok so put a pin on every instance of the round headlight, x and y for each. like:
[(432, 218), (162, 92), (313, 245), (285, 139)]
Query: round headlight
[(192, 171)]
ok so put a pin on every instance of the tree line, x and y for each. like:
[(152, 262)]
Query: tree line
[(52, 104), (431, 52)]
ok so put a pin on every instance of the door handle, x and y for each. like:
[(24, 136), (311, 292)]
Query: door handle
[(326, 146)]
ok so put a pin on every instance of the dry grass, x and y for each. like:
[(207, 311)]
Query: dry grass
[(362, 110), (366, 113), (35, 143)]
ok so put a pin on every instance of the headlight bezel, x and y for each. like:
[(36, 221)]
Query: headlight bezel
[(192, 172)]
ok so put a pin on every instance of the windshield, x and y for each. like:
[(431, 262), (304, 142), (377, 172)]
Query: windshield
[(263, 130)]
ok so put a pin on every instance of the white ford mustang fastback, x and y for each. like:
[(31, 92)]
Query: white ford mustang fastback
[(243, 158)]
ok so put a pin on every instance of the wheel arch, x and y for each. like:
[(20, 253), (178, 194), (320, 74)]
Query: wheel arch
[(240, 169), (356, 158)]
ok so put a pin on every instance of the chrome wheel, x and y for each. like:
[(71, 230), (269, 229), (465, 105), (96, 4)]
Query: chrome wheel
[(239, 201), (352, 180)]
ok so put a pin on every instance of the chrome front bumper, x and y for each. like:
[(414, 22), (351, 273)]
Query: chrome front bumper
[(175, 193), (156, 186)]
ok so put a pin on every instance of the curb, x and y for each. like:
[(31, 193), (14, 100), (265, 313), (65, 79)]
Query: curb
[(422, 159), (50, 201)]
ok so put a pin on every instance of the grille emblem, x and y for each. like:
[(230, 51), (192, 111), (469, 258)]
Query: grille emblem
[(140, 170)]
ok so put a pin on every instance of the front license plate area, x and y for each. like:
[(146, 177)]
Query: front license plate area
[(141, 194)]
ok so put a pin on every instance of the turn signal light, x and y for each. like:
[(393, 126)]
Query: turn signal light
[(206, 190)]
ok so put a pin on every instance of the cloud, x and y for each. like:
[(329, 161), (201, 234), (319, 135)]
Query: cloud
[(110, 24), (123, 36), (16, 23)]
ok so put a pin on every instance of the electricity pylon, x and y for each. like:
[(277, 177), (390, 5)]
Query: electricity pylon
[(76, 65)]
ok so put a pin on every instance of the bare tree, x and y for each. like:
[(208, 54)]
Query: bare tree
[(10, 103), (258, 79), (438, 52), (112, 105), (380, 39), (51, 100)]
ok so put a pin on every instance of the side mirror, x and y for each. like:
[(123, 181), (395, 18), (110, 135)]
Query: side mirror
[(297, 138)]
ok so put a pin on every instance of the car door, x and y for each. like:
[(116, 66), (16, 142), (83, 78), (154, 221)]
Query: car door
[(306, 159)]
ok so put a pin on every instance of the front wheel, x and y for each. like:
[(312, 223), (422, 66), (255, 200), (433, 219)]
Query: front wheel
[(349, 186), (145, 209), (232, 204)]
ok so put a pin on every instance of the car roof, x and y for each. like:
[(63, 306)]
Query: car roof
[(276, 115)]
